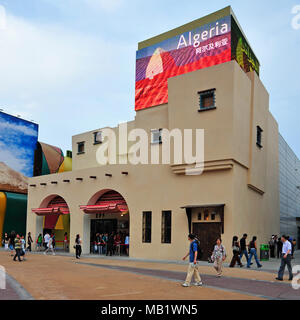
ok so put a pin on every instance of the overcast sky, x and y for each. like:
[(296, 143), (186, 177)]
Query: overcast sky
[(70, 64)]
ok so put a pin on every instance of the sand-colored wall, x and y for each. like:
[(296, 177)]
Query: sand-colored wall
[(231, 161)]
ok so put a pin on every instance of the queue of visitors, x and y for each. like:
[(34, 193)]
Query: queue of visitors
[(111, 244)]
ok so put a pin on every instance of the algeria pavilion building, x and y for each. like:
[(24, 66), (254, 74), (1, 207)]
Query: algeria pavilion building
[(202, 75)]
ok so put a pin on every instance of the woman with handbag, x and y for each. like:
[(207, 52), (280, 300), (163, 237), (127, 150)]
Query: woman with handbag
[(218, 256), (78, 246), (236, 253)]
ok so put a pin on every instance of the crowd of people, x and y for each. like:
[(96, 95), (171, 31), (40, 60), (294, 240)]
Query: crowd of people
[(240, 248), (111, 244), (276, 244), (115, 243), (16, 244)]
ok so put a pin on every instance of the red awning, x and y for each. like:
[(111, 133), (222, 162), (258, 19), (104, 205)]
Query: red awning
[(110, 202), (50, 211), (110, 208)]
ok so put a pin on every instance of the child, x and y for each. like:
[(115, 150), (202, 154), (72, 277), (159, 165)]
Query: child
[(23, 245)]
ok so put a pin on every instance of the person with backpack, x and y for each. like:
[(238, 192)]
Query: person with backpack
[(218, 256), (193, 269)]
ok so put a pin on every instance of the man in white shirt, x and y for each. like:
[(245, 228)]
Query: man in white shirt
[(50, 246), (46, 239), (285, 259)]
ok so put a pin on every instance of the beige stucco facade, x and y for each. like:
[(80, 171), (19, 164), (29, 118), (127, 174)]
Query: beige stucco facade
[(237, 172)]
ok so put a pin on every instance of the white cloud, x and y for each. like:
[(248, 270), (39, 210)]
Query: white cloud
[(15, 159), (24, 130)]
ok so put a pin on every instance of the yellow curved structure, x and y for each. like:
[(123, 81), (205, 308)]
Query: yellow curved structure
[(2, 212), (66, 165)]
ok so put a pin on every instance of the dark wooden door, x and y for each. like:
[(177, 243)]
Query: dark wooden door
[(207, 233)]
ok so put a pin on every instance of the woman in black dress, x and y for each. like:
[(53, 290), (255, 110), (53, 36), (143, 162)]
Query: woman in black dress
[(236, 253)]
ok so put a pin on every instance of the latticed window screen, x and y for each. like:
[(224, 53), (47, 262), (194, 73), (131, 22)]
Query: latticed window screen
[(207, 99), (166, 226), (147, 219)]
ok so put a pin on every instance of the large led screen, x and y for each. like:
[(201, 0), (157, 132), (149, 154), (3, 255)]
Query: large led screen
[(241, 51), (18, 141), (202, 47)]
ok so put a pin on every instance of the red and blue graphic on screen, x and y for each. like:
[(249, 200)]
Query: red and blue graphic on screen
[(200, 48)]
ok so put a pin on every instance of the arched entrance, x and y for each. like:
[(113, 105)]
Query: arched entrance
[(54, 218), (109, 217)]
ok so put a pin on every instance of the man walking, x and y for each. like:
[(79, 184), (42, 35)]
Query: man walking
[(193, 265), (243, 247), (272, 246), (49, 246), (18, 248), (285, 259), (46, 240)]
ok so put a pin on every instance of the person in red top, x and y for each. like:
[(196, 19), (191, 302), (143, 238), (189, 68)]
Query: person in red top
[(118, 244), (66, 241)]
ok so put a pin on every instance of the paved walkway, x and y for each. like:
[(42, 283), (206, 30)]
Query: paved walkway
[(99, 278)]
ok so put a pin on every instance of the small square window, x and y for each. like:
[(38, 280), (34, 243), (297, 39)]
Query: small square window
[(156, 136), (207, 99), (199, 216), (80, 147), (259, 132), (97, 137)]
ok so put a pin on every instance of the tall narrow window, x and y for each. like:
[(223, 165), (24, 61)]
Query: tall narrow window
[(97, 137), (207, 99), (156, 136), (80, 146), (259, 132), (166, 225), (147, 220)]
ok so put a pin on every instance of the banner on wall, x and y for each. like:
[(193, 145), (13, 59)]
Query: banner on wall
[(205, 46), (18, 141)]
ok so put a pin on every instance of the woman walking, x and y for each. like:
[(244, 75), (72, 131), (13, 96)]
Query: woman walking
[(6, 241), (218, 256), (29, 241), (39, 242), (236, 253), (78, 246), (253, 252)]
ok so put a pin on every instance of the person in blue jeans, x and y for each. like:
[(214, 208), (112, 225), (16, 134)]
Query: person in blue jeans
[(243, 247), (253, 252)]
